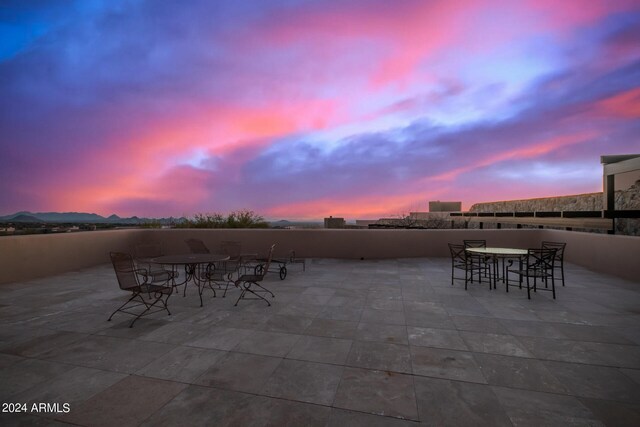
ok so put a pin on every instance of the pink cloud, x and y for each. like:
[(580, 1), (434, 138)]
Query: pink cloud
[(625, 105)]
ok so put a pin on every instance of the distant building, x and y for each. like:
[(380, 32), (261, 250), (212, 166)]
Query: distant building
[(364, 223), (439, 206), (332, 222)]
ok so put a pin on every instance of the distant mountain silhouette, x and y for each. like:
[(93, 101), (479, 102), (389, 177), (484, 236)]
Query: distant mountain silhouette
[(81, 217), (283, 223), (25, 218)]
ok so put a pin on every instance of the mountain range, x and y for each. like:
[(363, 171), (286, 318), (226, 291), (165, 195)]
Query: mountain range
[(84, 218), (81, 217)]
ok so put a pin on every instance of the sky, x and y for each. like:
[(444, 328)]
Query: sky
[(301, 109)]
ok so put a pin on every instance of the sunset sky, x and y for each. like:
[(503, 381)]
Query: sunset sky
[(301, 109)]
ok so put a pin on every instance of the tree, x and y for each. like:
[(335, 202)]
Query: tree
[(237, 219)]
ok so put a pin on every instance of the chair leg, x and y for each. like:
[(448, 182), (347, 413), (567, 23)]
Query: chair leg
[(265, 289), (124, 305), (452, 273), (148, 307), (246, 287)]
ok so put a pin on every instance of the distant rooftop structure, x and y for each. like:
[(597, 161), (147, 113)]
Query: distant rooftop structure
[(332, 222), (619, 172), (439, 206)]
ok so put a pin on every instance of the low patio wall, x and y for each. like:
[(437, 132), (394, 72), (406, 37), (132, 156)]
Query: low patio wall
[(28, 257)]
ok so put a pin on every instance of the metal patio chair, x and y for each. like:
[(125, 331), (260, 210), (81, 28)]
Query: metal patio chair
[(221, 273), (197, 246), (250, 283), (538, 264), (129, 280), (559, 261), (479, 260), (462, 261), (294, 260), (143, 253)]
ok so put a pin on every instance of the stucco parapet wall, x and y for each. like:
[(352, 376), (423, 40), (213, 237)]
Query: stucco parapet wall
[(28, 257)]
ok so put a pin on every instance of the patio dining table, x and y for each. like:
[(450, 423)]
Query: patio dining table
[(195, 266), (496, 255)]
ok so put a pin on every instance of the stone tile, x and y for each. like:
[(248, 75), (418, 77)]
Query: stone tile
[(183, 364), (246, 319), (318, 290), (439, 338), (109, 353), (240, 372), (26, 419), (267, 343), (265, 411), (518, 372), (298, 308), (219, 338), (634, 374), (72, 387), (21, 376), (341, 313), (429, 320), (454, 403), (287, 323), (382, 356), (343, 417), (175, 332), (392, 334), (623, 356), (8, 359), (37, 346), (561, 350), (304, 381), (384, 304), (597, 382), (485, 325), (313, 299), (532, 408), (495, 344), (332, 328), (206, 318), (377, 392), (352, 301), (119, 327), (424, 307), (321, 349), (12, 335), (601, 334), (127, 403), (614, 413), (511, 313), (527, 328), (450, 364), (80, 322), (199, 406), (387, 317)]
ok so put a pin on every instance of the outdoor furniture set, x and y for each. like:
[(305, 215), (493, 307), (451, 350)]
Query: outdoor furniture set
[(152, 277), (478, 262)]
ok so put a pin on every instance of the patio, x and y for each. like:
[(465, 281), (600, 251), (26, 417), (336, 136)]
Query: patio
[(346, 343)]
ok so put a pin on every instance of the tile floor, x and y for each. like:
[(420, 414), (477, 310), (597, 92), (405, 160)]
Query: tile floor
[(346, 343)]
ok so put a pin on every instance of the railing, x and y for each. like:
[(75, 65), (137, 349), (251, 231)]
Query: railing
[(599, 220), (612, 214)]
